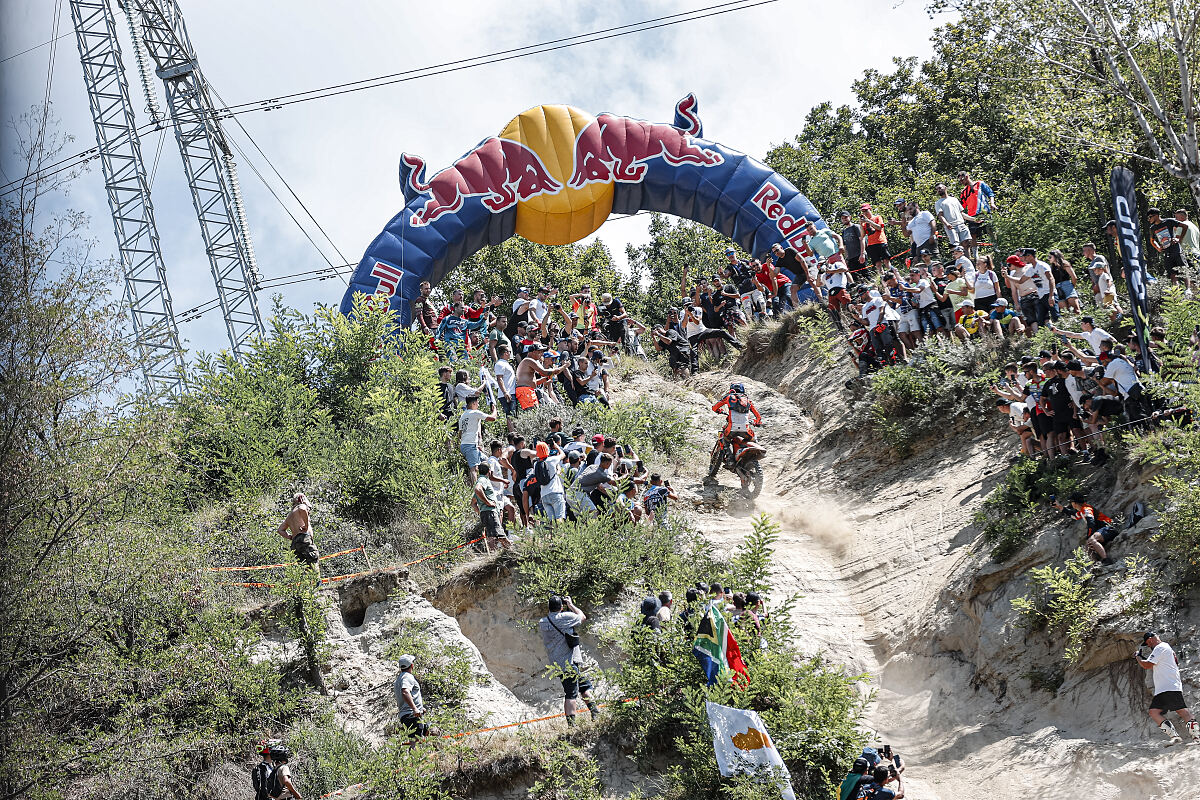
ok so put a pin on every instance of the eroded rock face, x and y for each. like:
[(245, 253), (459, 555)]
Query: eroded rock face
[(362, 672)]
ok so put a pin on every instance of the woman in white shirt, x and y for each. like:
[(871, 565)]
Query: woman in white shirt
[(987, 285)]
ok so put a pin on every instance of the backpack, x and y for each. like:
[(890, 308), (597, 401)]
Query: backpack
[(263, 778), (739, 404), (542, 474)]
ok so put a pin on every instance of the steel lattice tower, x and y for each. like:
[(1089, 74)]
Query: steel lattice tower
[(155, 332), (209, 166)]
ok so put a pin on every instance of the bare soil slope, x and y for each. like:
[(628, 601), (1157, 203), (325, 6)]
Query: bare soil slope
[(894, 584)]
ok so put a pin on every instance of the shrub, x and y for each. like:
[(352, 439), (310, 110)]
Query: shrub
[(1063, 601), (593, 559), (811, 710), (650, 428), (1010, 513), (445, 671)]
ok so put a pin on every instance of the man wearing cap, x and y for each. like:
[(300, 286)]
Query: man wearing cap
[(558, 629), (1168, 688), (877, 249), (522, 307), (858, 774), (950, 213), (1004, 319), (408, 698)]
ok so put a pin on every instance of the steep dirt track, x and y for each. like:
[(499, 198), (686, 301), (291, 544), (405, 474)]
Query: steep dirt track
[(882, 555)]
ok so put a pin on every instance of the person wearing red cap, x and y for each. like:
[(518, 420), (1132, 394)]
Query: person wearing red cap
[(546, 474), (1025, 297), (877, 249)]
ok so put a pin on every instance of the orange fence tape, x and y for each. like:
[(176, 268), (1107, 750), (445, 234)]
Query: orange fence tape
[(280, 566), (337, 578)]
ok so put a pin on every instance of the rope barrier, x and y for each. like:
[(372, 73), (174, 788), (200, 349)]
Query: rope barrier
[(337, 578), (280, 566)]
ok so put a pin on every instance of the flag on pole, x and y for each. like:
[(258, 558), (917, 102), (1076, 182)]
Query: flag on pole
[(1125, 204), (741, 743), (715, 648)]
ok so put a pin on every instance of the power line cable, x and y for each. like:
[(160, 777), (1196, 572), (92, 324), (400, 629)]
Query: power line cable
[(35, 47), (282, 179), (499, 56), (424, 72)]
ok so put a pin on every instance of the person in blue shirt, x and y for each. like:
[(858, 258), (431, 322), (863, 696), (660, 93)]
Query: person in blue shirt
[(452, 330), (1002, 318)]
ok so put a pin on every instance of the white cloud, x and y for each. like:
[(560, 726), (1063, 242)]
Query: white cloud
[(756, 74)]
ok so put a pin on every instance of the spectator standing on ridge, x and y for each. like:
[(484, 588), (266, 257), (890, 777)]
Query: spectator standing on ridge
[(1189, 244), (877, 243), (1168, 688), (1165, 236), (558, 629), (949, 212), (297, 529), (470, 442), (977, 200), (408, 698), (1064, 281), (852, 239), (921, 228), (490, 502), (423, 314)]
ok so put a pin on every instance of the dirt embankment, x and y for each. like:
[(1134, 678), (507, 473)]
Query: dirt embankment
[(895, 583)]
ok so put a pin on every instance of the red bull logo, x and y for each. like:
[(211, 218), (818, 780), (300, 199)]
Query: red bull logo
[(557, 165), (617, 148), (501, 171)]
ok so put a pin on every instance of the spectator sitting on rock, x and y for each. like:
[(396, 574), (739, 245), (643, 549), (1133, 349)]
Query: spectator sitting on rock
[(1018, 422), (1098, 533)]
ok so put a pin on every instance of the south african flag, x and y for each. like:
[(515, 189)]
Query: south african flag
[(716, 649)]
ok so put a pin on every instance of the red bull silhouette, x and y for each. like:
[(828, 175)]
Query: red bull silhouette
[(616, 148), (500, 171)]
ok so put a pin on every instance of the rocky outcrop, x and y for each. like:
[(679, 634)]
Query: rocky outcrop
[(362, 669)]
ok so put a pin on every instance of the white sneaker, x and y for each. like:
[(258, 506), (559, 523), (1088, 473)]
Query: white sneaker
[(1173, 737)]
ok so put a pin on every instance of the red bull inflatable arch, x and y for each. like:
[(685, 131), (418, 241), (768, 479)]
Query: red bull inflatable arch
[(554, 174)]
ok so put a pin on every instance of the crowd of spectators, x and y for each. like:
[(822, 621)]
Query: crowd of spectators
[(551, 348)]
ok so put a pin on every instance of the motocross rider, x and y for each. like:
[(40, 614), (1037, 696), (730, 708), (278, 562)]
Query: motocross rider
[(741, 416)]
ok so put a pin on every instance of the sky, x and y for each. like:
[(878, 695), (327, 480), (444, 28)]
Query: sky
[(756, 73)]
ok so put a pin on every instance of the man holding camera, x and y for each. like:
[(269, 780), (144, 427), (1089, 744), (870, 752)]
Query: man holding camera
[(1168, 688), (562, 647)]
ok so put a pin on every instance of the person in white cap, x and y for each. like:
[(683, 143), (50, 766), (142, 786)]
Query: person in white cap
[(1168, 688), (408, 698)]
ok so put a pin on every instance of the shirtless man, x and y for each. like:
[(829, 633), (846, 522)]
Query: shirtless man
[(296, 529), (528, 371)]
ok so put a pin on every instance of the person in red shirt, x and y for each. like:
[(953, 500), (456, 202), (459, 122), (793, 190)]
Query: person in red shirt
[(877, 249), (1098, 533)]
